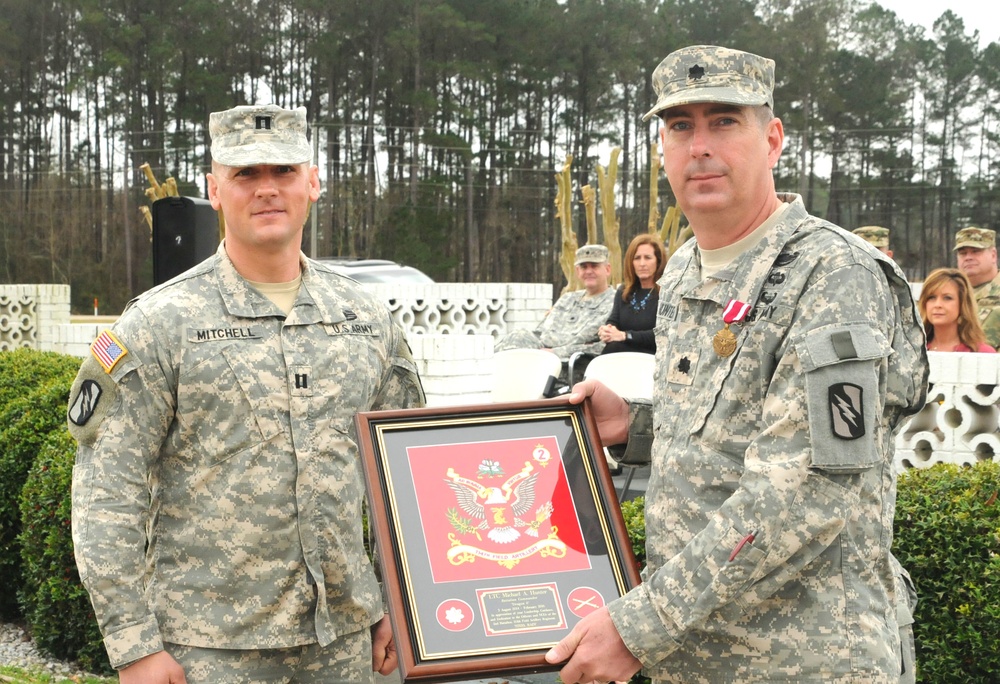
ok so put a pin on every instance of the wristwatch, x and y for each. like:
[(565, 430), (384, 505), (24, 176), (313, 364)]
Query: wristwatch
[(628, 336)]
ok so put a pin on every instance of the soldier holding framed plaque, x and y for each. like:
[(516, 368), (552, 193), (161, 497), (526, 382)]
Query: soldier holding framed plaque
[(788, 354)]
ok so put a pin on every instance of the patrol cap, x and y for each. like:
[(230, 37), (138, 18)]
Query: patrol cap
[(876, 235), (592, 254), (259, 134), (977, 238), (708, 73)]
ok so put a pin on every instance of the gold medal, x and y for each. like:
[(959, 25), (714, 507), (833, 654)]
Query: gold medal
[(724, 342)]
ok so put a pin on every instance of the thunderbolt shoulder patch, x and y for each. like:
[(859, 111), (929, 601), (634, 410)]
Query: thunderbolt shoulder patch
[(847, 416), (85, 402), (108, 350)]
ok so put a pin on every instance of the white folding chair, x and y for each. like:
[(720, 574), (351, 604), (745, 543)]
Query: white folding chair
[(520, 374), (629, 375)]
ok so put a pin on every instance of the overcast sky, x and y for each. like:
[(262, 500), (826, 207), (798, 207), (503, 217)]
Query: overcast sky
[(983, 15)]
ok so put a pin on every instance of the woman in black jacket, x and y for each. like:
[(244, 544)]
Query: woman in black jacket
[(630, 325)]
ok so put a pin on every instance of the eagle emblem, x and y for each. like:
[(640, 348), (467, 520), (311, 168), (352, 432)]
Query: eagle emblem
[(502, 511)]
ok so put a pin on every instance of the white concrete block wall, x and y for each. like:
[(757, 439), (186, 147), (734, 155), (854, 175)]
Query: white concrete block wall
[(454, 369), (30, 314), (75, 338), (527, 304), (961, 420), (26, 309), (52, 314), (465, 308)]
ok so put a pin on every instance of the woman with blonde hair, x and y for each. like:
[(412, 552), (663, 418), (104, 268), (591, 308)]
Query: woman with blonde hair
[(949, 312), (633, 316)]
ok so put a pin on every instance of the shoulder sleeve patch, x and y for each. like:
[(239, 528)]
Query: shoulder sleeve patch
[(108, 350), (91, 398), (85, 402)]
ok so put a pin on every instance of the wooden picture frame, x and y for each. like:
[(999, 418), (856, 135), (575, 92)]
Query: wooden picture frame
[(496, 530)]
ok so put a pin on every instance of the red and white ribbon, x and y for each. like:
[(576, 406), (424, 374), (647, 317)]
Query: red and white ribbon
[(735, 311)]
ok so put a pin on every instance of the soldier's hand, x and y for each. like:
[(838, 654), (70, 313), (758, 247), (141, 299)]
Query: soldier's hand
[(158, 668), (593, 651), (384, 658), (610, 410)]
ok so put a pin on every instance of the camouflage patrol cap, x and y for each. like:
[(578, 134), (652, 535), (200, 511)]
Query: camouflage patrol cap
[(977, 238), (259, 134), (707, 73), (876, 235), (592, 254)]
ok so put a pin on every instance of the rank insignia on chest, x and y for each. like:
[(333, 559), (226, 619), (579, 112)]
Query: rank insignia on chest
[(724, 342)]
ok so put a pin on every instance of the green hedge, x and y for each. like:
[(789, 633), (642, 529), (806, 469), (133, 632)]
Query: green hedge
[(56, 606), (21, 370), (948, 537), (634, 513), (34, 390)]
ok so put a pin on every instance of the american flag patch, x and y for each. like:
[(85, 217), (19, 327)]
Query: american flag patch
[(108, 350)]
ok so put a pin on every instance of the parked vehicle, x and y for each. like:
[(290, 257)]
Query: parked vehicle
[(377, 270)]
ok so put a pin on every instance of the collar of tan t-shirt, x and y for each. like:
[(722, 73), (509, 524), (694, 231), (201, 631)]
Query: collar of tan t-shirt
[(282, 294), (714, 260)]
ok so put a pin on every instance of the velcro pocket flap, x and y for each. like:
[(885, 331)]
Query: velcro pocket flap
[(841, 365), (852, 342)]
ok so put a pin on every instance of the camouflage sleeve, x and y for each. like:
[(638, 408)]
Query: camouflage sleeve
[(576, 326), (638, 448), (400, 387), (571, 327), (119, 427), (518, 339), (991, 327), (815, 465), (567, 350)]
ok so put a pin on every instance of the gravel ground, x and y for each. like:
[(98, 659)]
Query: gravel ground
[(17, 650)]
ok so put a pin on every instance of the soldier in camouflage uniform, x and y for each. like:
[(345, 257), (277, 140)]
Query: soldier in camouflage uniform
[(217, 493), (788, 353), (571, 325), (876, 236), (976, 252)]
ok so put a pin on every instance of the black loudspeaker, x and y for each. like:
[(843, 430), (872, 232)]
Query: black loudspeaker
[(185, 233)]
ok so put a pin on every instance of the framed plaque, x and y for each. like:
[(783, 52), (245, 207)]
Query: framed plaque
[(497, 529)]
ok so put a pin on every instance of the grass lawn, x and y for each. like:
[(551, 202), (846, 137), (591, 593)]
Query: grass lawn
[(19, 676)]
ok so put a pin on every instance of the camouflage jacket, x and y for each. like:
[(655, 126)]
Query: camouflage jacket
[(770, 504), (987, 298), (569, 327), (217, 493)]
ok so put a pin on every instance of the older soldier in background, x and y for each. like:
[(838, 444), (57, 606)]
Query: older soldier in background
[(976, 253), (217, 494), (571, 325), (877, 236), (788, 353)]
